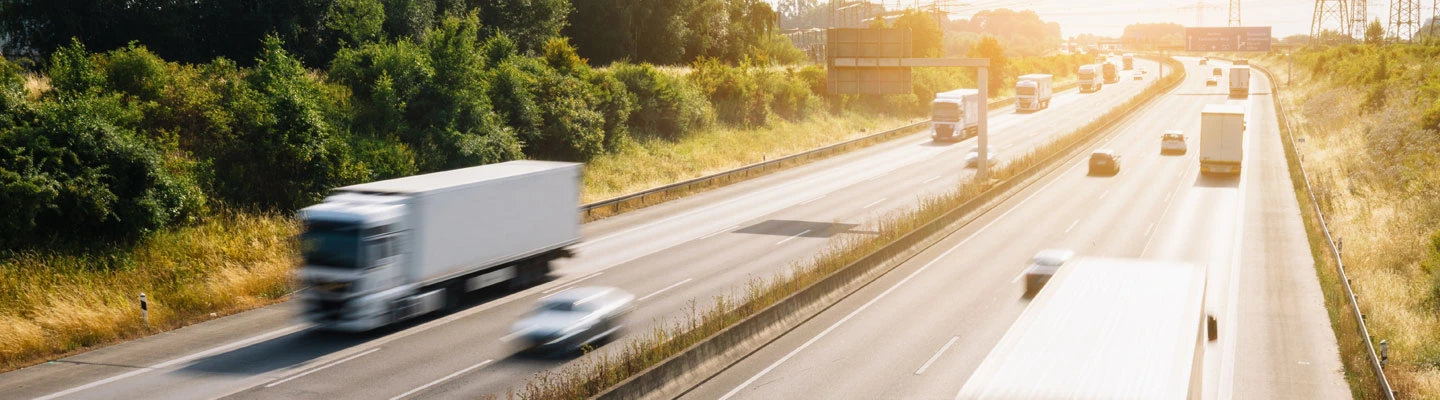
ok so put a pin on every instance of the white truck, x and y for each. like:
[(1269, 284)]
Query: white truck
[(382, 252), (1033, 92), (1104, 328), (1240, 79), (1091, 79), (1129, 60), (955, 115), (1222, 138)]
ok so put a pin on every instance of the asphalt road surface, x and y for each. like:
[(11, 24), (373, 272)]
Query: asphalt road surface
[(683, 252), (921, 330)]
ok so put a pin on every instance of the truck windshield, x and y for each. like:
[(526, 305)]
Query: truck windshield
[(1085, 75), (945, 112), (331, 245), (1024, 90)]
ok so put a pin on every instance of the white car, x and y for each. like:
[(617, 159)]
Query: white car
[(1172, 142), (972, 160), (1044, 266), (573, 318)]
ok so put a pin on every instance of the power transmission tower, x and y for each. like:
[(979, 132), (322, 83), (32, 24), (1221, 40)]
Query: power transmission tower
[(1359, 18), (1200, 8), (1325, 12), (1404, 19), (1234, 12), (1434, 18)]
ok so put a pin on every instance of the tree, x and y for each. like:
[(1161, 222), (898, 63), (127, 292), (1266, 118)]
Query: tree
[(1375, 33), (530, 22), (989, 47), (925, 35), (356, 22)]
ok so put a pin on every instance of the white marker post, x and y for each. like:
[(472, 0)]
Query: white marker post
[(144, 310)]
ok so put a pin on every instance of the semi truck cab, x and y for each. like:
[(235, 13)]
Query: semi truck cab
[(354, 247)]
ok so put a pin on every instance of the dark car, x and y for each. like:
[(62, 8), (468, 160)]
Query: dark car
[(1104, 161)]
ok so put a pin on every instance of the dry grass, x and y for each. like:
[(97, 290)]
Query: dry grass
[(601, 370), (1371, 179), (54, 304), (718, 149), (36, 86)]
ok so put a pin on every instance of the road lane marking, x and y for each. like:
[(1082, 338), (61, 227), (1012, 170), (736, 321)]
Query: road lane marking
[(867, 206), (812, 200), (302, 374), (792, 237), (191, 357), (437, 381), (1149, 229), (932, 179), (567, 285), (1102, 195), (1167, 195), (1227, 360), (663, 290), (514, 335), (712, 234), (882, 295), (1072, 226), (937, 355)]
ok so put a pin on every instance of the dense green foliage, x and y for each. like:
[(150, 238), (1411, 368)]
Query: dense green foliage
[(675, 31)]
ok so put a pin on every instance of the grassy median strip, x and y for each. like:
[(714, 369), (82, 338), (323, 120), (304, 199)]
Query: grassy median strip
[(598, 371)]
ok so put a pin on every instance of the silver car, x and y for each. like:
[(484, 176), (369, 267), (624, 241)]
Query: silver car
[(1172, 142), (573, 318), (1042, 267)]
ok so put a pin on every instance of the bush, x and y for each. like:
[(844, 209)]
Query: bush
[(74, 173), (666, 106)]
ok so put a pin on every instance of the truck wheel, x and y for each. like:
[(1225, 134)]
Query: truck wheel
[(454, 295)]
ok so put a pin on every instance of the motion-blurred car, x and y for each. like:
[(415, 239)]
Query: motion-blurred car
[(1204, 60), (1104, 161), (1042, 267), (1172, 142), (573, 318), (1212, 81), (972, 160)]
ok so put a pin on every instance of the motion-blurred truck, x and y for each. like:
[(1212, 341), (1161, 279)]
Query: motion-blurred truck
[(382, 252), (1033, 92), (1090, 78), (1222, 138), (955, 115), (1111, 76), (1129, 60)]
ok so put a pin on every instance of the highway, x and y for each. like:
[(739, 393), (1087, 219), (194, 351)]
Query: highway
[(922, 329), (670, 255)]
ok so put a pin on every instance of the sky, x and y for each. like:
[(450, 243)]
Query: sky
[(1109, 17)]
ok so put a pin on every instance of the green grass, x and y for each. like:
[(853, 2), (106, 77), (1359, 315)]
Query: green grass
[(1376, 173), (55, 303), (601, 370)]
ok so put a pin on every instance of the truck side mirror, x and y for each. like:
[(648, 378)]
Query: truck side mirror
[(1212, 327)]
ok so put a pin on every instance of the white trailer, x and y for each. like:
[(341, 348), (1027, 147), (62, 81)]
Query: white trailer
[(955, 115), (1129, 60), (1104, 328), (1033, 92), (382, 252), (1240, 80), (1222, 138), (1091, 78)]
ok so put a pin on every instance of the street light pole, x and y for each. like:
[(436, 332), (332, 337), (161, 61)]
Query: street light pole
[(983, 138)]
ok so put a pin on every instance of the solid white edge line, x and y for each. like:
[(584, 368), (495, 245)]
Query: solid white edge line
[(713, 234), (932, 179), (867, 206), (812, 200), (1149, 230), (792, 237), (438, 381), (567, 285), (687, 280), (187, 358), (882, 295), (318, 369), (1072, 226), (937, 355), (1102, 195)]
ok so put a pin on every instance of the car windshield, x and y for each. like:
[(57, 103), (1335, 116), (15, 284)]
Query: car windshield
[(562, 306), (331, 245), (1100, 157)]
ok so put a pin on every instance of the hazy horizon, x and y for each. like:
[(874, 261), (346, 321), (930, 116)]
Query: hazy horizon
[(1109, 17)]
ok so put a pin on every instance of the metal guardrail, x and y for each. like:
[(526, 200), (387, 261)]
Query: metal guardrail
[(661, 379), (1334, 249), (653, 196)]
